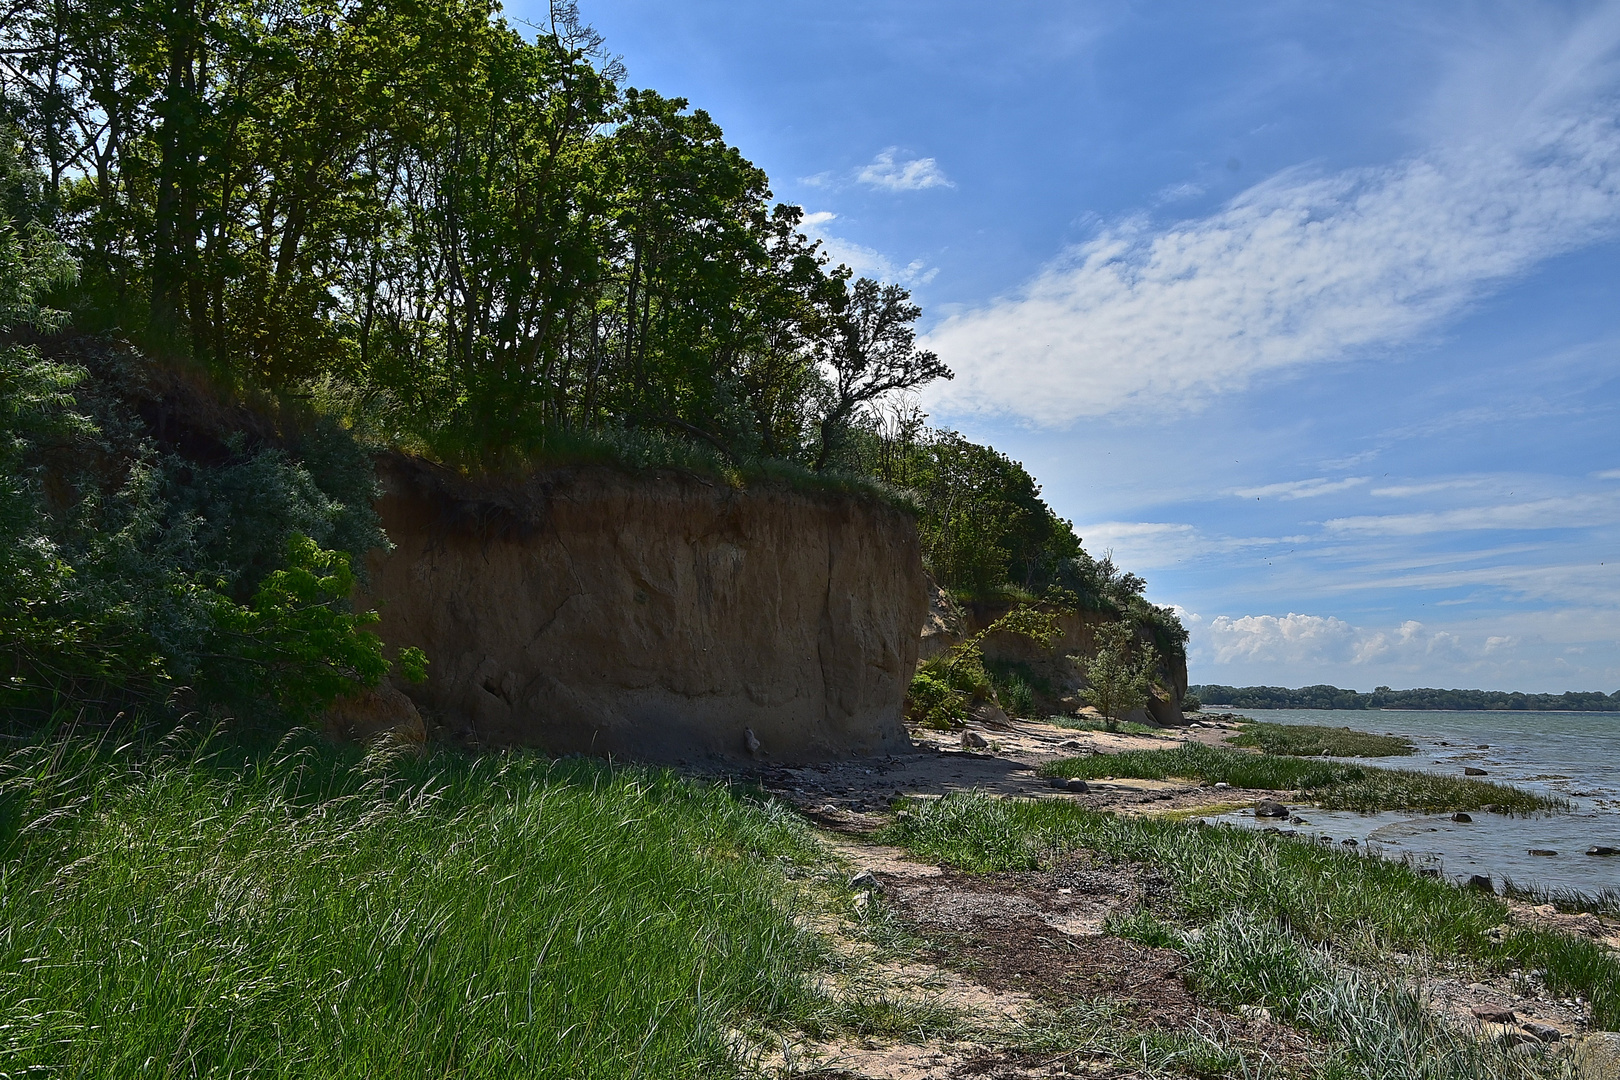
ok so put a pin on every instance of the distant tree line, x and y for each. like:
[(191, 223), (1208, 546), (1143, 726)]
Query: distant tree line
[(1332, 697)]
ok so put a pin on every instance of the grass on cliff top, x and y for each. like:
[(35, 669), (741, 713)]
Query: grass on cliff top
[(1363, 906), (1313, 740), (1332, 785), (309, 912)]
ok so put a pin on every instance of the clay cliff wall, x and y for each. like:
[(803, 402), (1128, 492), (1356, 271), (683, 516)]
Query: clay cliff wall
[(586, 610)]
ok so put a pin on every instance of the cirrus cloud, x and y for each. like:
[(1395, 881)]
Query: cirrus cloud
[(1304, 268)]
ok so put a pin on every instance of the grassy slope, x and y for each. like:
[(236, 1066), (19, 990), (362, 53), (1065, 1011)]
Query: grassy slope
[(1330, 784), (303, 913), (1363, 906), (1314, 740)]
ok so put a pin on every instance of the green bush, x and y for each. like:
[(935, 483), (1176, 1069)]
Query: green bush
[(934, 703)]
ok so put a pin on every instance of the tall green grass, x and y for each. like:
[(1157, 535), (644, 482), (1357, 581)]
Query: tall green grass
[(1333, 785), (1363, 905), (305, 912)]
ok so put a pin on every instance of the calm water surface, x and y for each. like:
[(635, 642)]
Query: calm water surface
[(1572, 755)]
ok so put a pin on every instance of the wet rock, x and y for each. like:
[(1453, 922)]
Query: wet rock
[(1483, 746), (1602, 850), (1297, 820), (1462, 819), (1544, 1032), (1542, 851), (1352, 842), (1481, 883), (1077, 785), (1471, 771), (1493, 1014), (1271, 809)]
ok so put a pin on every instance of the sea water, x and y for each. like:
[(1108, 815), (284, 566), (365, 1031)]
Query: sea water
[(1575, 756)]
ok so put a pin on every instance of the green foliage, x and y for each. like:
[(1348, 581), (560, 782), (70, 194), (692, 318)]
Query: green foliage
[(944, 686), (1120, 675), (1311, 740), (1332, 785), (934, 703), (303, 911), (297, 638)]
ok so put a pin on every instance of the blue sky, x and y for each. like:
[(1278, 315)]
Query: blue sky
[(1309, 311)]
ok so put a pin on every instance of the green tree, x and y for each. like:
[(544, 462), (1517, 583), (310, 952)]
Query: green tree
[(1120, 675)]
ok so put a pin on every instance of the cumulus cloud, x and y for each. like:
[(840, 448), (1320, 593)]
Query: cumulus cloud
[(1285, 639), (1301, 269), (888, 172), (1301, 489), (818, 218), (1303, 641)]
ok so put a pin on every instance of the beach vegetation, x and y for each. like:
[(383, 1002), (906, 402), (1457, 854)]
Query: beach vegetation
[(1333, 785), (1365, 908), (1314, 740)]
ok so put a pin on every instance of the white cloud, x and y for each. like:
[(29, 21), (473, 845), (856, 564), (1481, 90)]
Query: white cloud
[(817, 219), (1286, 639), (1564, 512), (869, 262), (1301, 269), (887, 172), (1301, 489), (1607, 474)]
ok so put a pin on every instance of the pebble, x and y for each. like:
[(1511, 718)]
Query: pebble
[(1493, 1014)]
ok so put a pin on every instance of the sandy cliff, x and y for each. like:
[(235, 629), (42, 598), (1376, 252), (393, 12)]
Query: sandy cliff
[(586, 610)]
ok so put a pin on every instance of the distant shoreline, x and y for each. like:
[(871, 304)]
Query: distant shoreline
[(1384, 699)]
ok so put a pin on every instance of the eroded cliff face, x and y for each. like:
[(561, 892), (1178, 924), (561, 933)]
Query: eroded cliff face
[(584, 610), (1079, 638)]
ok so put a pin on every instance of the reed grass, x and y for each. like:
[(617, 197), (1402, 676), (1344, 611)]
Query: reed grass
[(1314, 740), (1333, 785), (198, 909)]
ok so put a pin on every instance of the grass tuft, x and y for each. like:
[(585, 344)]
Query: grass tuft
[(1313, 740)]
